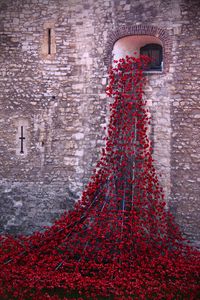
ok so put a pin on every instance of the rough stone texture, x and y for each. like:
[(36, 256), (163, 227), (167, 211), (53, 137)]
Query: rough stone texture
[(60, 101), (185, 120)]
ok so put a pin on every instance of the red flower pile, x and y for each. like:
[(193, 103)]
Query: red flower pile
[(119, 242)]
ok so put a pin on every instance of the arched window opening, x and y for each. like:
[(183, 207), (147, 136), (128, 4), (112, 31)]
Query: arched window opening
[(141, 44), (154, 51)]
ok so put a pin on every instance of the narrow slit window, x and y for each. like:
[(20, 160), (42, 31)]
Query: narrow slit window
[(22, 138), (49, 40), (48, 45)]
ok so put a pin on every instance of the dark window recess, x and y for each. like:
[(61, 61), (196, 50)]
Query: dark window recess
[(22, 138), (154, 51), (49, 40)]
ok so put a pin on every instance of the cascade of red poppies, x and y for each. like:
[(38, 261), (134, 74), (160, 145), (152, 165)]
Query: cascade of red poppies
[(119, 241)]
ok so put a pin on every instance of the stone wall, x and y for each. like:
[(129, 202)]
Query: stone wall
[(60, 101), (185, 120)]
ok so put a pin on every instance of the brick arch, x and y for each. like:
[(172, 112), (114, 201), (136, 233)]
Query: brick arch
[(140, 30)]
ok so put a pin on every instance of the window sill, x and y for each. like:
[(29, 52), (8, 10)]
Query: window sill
[(152, 72)]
